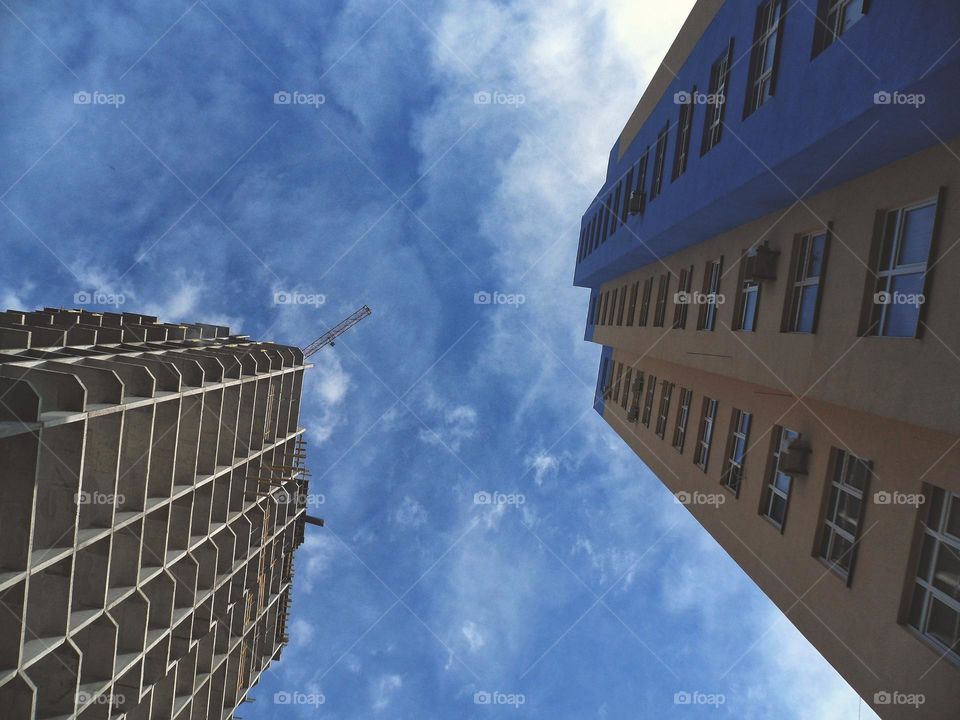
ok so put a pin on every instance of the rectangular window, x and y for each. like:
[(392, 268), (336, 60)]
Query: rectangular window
[(684, 130), (648, 400), (627, 189), (640, 192), (666, 391), (736, 451), (749, 301), (765, 57), (622, 306), (632, 310), (606, 303), (645, 301), (605, 210), (580, 246), (935, 605), (711, 289), (844, 515), (834, 18), (682, 298), (618, 383), (683, 419), (626, 389), (663, 290), (809, 266), (615, 208), (717, 100), (776, 495), (659, 161), (602, 379), (637, 394), (591, 313), (701, 455), (902, 270)]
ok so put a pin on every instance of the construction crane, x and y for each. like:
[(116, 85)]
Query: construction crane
[(328, 337)]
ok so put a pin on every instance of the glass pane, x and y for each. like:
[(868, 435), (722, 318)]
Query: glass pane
[(848, 513), (739, 450), (943, 624), (817, 245), (916, 606), (926, 557), (782, 482), (808, 304), (745, 423), (825, 542), (857, 474), (936, 508), (889, 234), (778, 508), (841, 552), (903, 312), (953, 518), (946, 575), (917, 231), (749, 308)]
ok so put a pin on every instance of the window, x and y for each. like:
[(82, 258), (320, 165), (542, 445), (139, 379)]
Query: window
[(614, 208), (633, 303), (659, 161), (684, 129), (844, 515), (623, 302), (591, 312), (637, 394), (834, 18), (618, 383), (902, 270), (746, 319), (613, 307), (765, 56), (641, 189), (683, 418), (776, 496), (711, 290), (717, 99), (736, 451), (602, 379), (605, 211), (662, 291), (580, 246), (809, 266), (596, 318), (648, 400), (701, 455), (645, 301), (603, 313), (682, 298), (666, 392), (935, 607), (625, 205), (626, 389)]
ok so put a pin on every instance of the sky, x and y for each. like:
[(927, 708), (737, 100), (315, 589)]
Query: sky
[(492, 549)]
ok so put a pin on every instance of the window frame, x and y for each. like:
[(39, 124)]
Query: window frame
[(681, 154), (621, 306), (827, 32), (648, 400), (842, 463), (632, 311), (719, 88), (799, 280), (708, 422), (782, 437), (681, 310), (683, 419), (709, 309), (659, 163), (625, 397), (666, 395), (663, 292), (762, 80), (740, 423), (645, 302)]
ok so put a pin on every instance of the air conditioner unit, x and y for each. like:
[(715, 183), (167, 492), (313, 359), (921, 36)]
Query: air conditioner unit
[(761, 264), (637, 201), (796, 458), (633, 415)]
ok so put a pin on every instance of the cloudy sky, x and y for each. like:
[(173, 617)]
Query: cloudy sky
[(147, 160)]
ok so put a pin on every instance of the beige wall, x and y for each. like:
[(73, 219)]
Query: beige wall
[(914, 380), (856, 628)]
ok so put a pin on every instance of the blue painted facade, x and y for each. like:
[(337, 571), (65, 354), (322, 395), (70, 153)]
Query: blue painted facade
[(823, 127)]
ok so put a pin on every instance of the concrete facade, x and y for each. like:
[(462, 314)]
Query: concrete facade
[(153, 494), (760, 351)]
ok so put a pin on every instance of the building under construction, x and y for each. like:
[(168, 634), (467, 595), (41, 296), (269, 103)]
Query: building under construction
[(153, 490)]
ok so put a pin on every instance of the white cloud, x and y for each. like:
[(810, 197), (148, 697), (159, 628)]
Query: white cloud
[(542, 464), (473, 634), (410, 513), (386, 688)]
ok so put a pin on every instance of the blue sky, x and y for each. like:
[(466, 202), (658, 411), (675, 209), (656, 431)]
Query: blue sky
[(195, 196)]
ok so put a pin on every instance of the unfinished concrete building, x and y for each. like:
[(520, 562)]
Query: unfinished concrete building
[(152, 488)]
